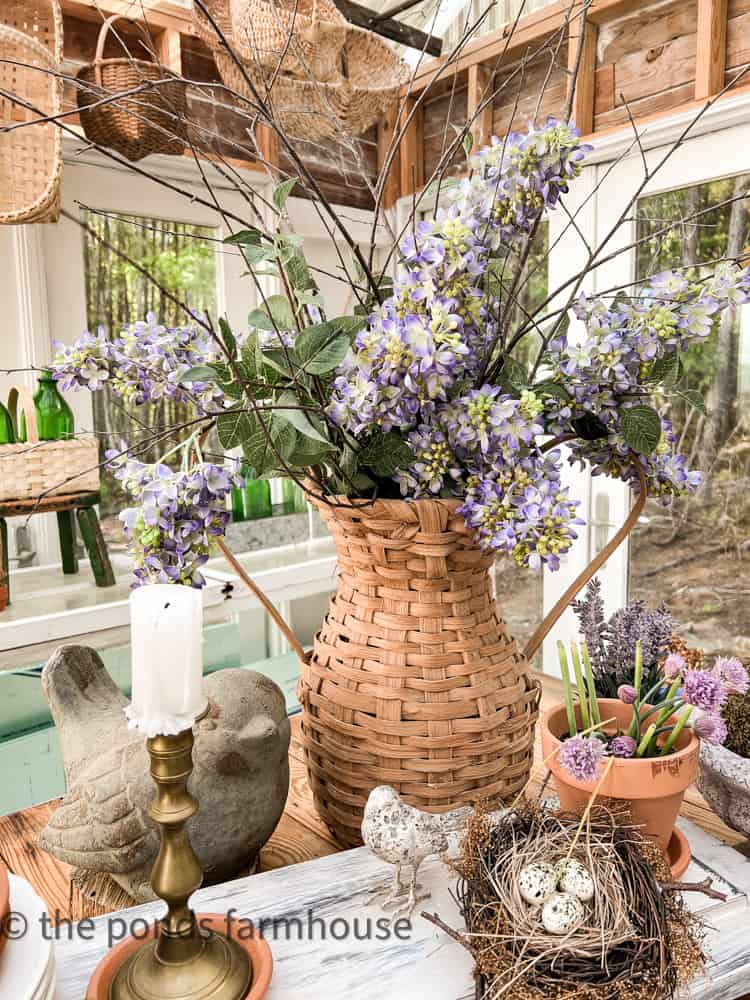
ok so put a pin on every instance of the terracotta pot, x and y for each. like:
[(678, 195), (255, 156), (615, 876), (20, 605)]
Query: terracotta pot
[(654, 787), (256, 947), (4, 904)]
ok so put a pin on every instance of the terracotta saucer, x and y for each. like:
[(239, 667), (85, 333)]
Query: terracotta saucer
[(256, 948), (679, 854), (4, 904)]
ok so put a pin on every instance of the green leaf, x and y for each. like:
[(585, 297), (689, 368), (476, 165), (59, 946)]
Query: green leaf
[(309, 298), (260, 320), (551, 388), (298, 418), (666, 369), (308, 452), (201, 373), (261, 452), (283, 191), (234, 427), (298, 272), (258, 254), (514, 375), (641, 428), (228, 337), (281, 312), (320, 348), (246, 237), (386, 453), (350, 325), (693, 398)]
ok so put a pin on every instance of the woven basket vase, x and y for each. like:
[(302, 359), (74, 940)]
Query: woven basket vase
[(413, 680), (34, 468), (150, 121), (30, 154)]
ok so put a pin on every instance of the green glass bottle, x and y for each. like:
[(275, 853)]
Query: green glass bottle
[(293, 498), (7, 433), (53, 415), (253, 499)]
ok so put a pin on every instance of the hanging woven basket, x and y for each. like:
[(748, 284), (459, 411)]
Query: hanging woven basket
[(369, 76), (152, 120), (302, 37), (30, 154)]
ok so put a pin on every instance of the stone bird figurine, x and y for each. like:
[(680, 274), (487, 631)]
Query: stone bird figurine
[(241, 775), (402, 835)]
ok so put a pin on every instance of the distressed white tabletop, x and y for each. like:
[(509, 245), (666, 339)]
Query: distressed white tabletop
[(335, 957)]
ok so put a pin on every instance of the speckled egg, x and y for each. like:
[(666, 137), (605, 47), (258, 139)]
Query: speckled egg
[(537, 882), (562, 913), (574, 879)]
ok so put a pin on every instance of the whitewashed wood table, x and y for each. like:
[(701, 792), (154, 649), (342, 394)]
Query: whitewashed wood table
[(318, 915)]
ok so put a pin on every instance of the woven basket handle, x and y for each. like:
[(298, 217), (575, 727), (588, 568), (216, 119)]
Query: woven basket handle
[(594, 566), (104, 31), (20, 392)]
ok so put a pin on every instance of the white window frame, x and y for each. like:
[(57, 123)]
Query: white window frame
[(716, 147)]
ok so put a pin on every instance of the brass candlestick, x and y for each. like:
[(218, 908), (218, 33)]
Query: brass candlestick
[(183, 962)]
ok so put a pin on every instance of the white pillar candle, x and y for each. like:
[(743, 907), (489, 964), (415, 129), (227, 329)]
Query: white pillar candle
[(166, 630)]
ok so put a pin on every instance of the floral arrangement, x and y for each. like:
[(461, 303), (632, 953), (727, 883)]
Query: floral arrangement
[(681, 696), (421, 393), (611, 643)]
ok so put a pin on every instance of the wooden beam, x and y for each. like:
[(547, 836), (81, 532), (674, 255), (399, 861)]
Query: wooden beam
[(268, 144), (154, 13), (480, 88), (386, 132), (711, 55), (411, 167), (584, 81), (169, 50), (389, 27)]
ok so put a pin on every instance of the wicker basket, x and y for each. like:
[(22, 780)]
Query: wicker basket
[(31, 155), (318, 29), (413, 680), (151, 121), (306, 107), (35, 468)]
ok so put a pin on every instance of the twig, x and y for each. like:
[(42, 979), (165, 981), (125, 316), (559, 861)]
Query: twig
[(706, 887), (433, 918)]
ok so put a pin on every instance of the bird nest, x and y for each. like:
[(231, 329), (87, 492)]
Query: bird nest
[(637, 942)]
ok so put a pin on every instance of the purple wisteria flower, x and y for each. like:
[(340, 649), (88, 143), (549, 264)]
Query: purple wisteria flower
[(580, 756), (703, 690), (623, 746), (732, 674), (176, 517)]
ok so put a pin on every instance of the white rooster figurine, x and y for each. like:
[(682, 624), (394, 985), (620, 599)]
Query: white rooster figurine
[(400, 835)]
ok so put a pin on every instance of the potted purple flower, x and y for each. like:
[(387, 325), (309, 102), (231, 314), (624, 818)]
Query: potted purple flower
[(641, 747)]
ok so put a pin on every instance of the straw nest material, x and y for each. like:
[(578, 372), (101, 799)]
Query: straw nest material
[(636, 942)]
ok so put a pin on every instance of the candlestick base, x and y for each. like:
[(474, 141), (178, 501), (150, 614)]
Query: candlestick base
[(220, 971), (185, 961)]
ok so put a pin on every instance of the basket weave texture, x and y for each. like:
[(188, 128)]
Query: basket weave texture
[(31, 155), (358, 83), (150, 121), (34, 468), (413, 680)]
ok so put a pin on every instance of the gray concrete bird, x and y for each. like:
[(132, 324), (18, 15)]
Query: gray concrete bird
[(400, 835)]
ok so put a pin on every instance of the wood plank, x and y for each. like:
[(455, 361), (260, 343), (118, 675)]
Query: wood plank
[(604, 89), (386, 132), (479, 91), (169, 50), (583, 56), (156, 13), (411, 147), (712, 48)]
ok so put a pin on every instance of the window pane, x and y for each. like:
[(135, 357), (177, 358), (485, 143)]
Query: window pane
[(182, 258), (691, 555)]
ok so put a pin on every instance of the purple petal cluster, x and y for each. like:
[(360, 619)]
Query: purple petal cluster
[(580, 756), (732, 674), (704, 690), (623, 746), (177, 514), (145, 363)]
